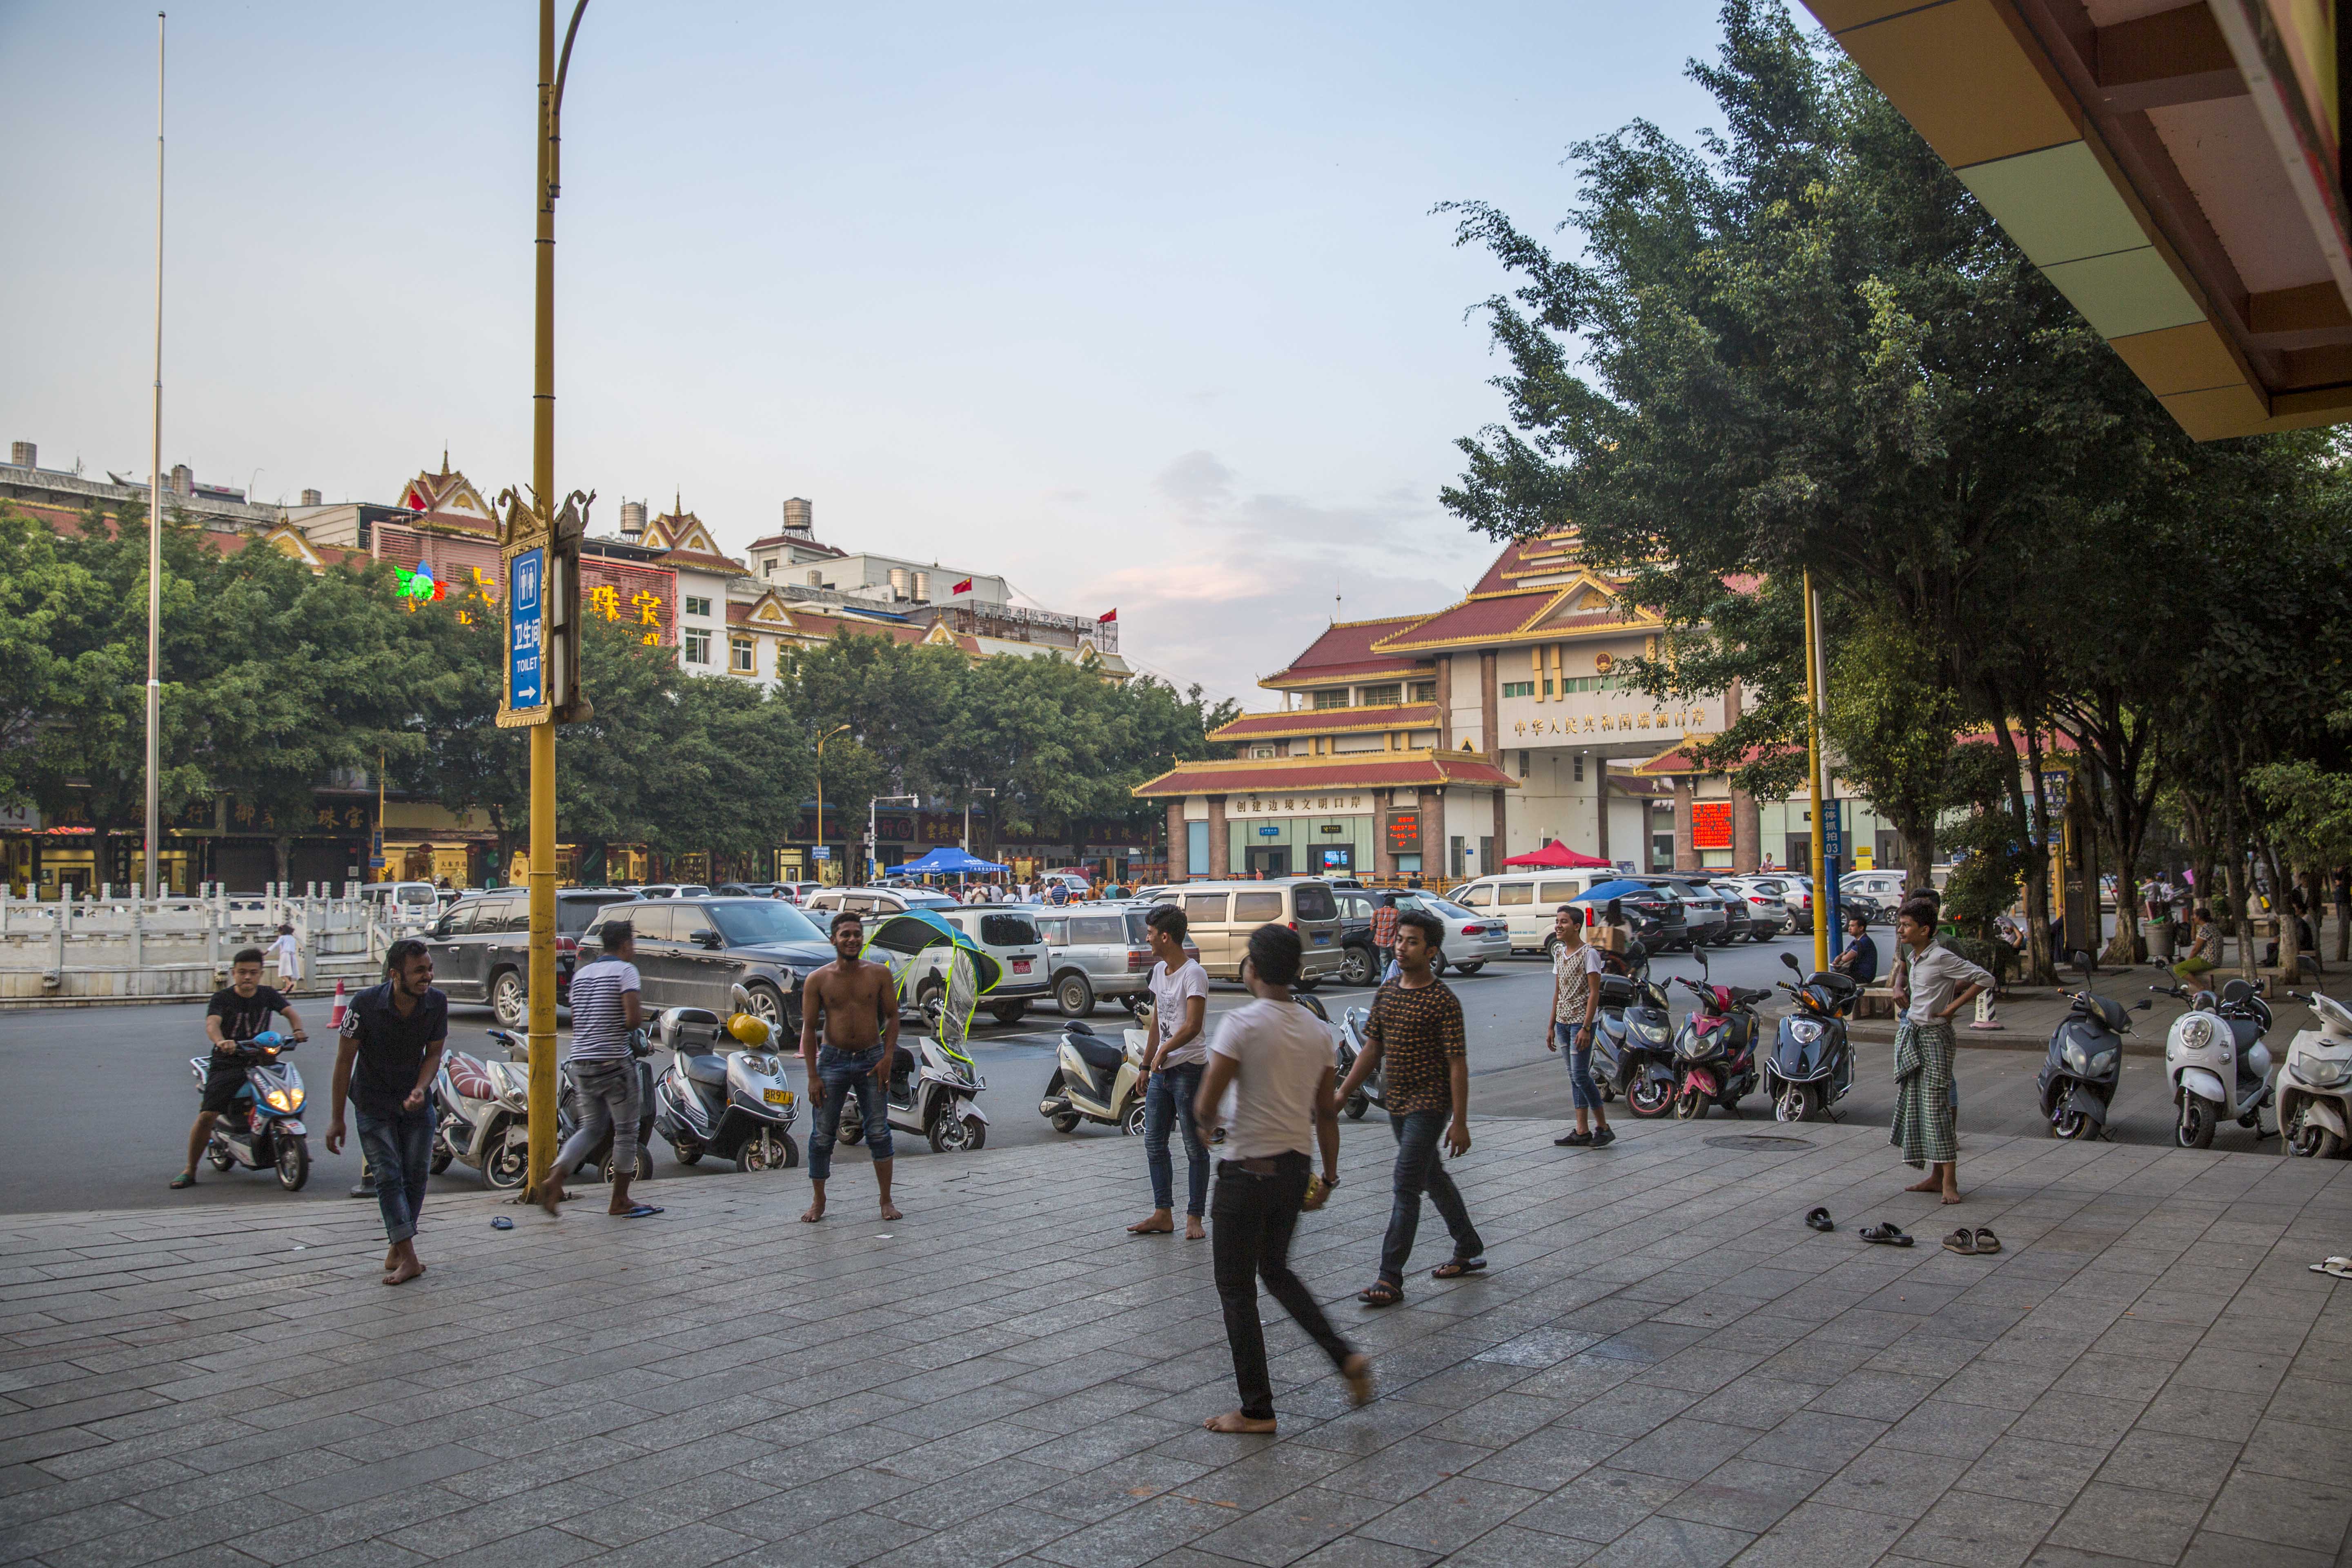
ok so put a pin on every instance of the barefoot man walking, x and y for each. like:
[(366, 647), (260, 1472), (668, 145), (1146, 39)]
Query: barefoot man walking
[(859, 1006), (391, 1048), (1931, 984)]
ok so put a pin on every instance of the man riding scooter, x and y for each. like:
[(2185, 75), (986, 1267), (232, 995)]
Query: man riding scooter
[(236, 1014)]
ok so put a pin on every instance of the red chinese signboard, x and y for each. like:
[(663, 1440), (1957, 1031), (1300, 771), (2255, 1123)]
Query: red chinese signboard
[(1710, 825), (1404, 833)]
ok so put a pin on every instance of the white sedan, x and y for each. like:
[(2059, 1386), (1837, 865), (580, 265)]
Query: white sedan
[(1471, 939)]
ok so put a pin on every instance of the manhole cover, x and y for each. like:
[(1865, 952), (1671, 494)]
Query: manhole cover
[(1757, 1141)]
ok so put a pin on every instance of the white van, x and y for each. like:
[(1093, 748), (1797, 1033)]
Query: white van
[(407, 903), (1525, 902)]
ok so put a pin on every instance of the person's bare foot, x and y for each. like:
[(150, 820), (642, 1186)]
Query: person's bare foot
[(1192, 1229), (890, 1210), (1951, 1195), (1932, 1184), (552, 1195), (1234, 1421), (815, 1211), (1358, 1372), (407, 1269), (1158, 1222)]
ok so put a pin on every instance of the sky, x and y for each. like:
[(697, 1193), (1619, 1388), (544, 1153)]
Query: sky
[(1141, 308)]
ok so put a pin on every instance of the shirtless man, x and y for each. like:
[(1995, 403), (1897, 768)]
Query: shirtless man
[(860, 1008)]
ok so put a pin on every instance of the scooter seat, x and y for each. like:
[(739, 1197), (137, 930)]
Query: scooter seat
[(469, 1077), (706, 1069), (903, 1064), (1097, 1054), (2244, 1031)]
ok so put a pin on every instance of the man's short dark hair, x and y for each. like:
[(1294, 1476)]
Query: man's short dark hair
[(617, 934), (1432, 929), (1858, 920), (1387, 901), (849, 918), (1920, 911), (247, 955), (398, 956), (1170, 920), (1276, 954)]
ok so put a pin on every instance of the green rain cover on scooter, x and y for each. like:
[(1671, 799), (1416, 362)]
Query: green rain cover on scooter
[(971, 974)]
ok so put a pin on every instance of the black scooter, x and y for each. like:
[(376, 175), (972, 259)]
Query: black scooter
[(567, 1116), (1811, 1066), (2086, 1060), (1633, 1039)]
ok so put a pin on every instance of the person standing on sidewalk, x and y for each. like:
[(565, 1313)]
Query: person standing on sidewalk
[(287, 953), (384, 1063), (1269, 1082), (1931, 985), (1575, 1004), (1173, 1059), (607, 1009), (1416, 1029), (1384, 920), (859, 1008), (237, 1012)]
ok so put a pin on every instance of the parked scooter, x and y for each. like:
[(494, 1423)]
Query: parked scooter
[(567, 1114), (2086, 1060), (2218, 1067), (262, 1130), (1811, 1066), (1633, 1039), (2315, 1087), (714, 1099), (1370, 1092), (1714, 1053), (932, 1091), (485, 1112), (1094, 1081)]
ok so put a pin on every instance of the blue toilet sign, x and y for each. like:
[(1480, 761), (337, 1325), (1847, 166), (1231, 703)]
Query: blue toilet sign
[(526, 626)]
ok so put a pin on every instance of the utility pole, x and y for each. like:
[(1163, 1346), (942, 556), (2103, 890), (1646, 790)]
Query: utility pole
[(966, 815), (873, 807), (155, 522), (821, 740), (1816, 715)]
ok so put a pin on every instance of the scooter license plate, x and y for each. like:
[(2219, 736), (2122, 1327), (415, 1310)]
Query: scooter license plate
[(291, 1125), (777, 1096)]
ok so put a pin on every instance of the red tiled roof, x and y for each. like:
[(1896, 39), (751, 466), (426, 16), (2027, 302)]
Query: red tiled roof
[(1328, 721), (1472, 619), (1295, 677), (1346, 643), (1293, 775), (1515, 563), (697, 558)]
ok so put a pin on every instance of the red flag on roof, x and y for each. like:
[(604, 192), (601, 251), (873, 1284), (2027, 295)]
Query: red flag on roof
[(416, 502), (1106, 617), (962, 587)]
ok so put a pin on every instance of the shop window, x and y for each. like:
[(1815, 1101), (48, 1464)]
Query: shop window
[(1383, 696), (695, 606), (1424, 691), (1579, 767), (1261, 751), (1331, 698), (1524, 689), (738, 651), (697, 646)]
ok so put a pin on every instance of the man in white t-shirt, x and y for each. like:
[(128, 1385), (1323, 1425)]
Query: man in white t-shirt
[(1173, 1062), (1270, 1083)]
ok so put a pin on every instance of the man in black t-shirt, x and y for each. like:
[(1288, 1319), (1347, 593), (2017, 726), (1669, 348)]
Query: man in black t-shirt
[(384, 1065), (236, 1013)]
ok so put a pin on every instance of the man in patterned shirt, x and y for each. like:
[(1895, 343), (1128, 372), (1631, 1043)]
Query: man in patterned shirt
[(1416, 1029), (1384, 920)]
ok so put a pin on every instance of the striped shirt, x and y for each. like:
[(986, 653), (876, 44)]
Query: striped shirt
[(600, 1023)]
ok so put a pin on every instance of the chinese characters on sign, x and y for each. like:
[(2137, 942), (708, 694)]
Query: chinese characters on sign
[(1404, 833), (1606, 723), (525, 624), (1711, 824), (1292, 804)]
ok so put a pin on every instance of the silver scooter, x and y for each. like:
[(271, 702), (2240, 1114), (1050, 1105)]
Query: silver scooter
[(484, 1112), (2218, 1067), (724, 1092), (933, 1091), (1371, 1091), (262, 1131), (2315, 1085)]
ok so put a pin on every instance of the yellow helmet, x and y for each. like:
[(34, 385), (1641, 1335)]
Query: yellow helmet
[(749, 1028)]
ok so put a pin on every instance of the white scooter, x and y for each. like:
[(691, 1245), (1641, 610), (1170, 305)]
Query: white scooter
[(2315, 1085), (485, 1112), (731, 1102), (2218, 1064), (932, 1092), (1094, 1081)]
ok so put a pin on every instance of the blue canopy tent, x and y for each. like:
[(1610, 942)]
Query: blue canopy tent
[(1601, 892), (947, 860)]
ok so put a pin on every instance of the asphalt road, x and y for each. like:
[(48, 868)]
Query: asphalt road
[(111, 1098)]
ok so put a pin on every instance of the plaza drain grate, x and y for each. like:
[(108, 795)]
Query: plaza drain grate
[(1757, 1142)]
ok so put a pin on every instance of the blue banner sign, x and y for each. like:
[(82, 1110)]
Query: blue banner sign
[(526, 628)]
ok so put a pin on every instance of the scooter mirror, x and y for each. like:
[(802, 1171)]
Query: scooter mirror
[(1791, 960), (1700, 954), (2142, 1005)]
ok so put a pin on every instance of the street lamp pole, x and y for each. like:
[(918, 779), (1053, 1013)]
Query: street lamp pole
[(873, 862), (966, 814), (821, 740), (1816, 693), (155, 522)]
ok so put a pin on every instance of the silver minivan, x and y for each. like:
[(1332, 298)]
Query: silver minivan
[(1220, 916), (1097, 952)]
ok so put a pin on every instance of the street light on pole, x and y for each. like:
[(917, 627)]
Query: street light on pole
[(966, 814), (873, 861), (821, 740)]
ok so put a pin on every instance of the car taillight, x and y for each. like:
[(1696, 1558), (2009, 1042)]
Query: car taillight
[(1138, 958), (1473, 931), (567, 944)]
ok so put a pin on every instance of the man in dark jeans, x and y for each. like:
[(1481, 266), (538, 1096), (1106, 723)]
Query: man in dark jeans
[(384, 1064), (1416, 1029), (1173, 1060), (1269, 1074)]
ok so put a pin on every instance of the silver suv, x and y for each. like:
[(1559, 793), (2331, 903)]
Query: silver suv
[(1098, 951), (1007, 933)]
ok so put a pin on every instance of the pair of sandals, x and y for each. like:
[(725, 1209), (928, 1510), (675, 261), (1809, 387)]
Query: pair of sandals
[(1381, 1293), (2335, 1267), (1977, 1243)]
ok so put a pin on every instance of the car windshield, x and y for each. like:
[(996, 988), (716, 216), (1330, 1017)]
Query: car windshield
[(1007, 930), (1451, 910), (752, 921)]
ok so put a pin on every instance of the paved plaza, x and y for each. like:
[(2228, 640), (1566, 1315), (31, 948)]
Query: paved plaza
[(1664, 1366)]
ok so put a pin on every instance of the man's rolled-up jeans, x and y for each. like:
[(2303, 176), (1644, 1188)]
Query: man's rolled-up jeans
[(399, 1150), (841, 1073), (1576, 1045)]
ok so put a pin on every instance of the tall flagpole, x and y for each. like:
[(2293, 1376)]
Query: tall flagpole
[(155, 514)]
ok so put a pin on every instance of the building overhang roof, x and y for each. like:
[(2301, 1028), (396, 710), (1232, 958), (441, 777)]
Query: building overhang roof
[(1328, 722), (1292, 776), (2175, 175)]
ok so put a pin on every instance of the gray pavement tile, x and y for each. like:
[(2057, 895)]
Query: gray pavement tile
[(1633, 1409), (2085, 1419), (1548, 1457), (686, 1546), (1661, 1543), (2212, 1549), (1101, 1443), (2194, 1467), (2130, 1521), (2048, 1556), (1601, 1504), (545, 1547), (1816, 1533), (942, 1503), (1741, 1494), (67, 1527), (1895, 1481), (1498, 1421), (1348, 1551), (1511, 1546), (2309, 1515), (1138, 1535), (2033, 1470), (1407, 1469), (1977, 1531), (996, 1535), (1288, 1529), (1449, 1515), (1944, 1427), (1755, 1401), (1115, 1487), (1881, 1395), (1815, 1440), (2194, 1414), (368, 1554), (1684, 1447), (2128, 1378), (853, 1538), (2298, 1450)]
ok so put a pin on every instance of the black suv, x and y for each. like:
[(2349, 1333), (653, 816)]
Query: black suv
[(482, 946), (693, 953)]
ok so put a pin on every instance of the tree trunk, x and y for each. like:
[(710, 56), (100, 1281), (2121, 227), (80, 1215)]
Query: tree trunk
[(2233, 876), (2315, 888), (283, 846), (2282, 917), (2040, 969)]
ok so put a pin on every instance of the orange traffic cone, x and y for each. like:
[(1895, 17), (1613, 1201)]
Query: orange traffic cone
[(335, 1014)]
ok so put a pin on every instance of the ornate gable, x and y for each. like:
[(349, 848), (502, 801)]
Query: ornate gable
[(449, 497), (768, 613), (289, 539)]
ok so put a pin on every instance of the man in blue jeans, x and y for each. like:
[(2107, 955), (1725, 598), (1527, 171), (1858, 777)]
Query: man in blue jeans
[(1576, 968), (1173, 1059), (1416, 1030), (860, 1008), (385, 1062)]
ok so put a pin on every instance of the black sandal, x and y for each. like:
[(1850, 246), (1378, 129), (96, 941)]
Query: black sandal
[(1457, 1267), (1819, 1220), (1381, 1294), (1887, 1233)]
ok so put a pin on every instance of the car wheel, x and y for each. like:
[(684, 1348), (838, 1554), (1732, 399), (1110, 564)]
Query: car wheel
[(1469, 968), (1075, 997), (1356, 967), (510, 1002), (768, 1006), (1009, 1012)]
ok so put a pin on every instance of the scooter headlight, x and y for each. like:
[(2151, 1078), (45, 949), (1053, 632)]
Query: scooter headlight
[(1804, 1031), (2196, 1031), (1654, 1033), (514, 1098), (283, 1100), (2103, 1063), (2321, 1073), (1691, 1045), (2074, 1058)]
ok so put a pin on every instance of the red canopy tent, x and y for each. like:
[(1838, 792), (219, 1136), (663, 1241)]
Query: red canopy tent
[(1556, 856)]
